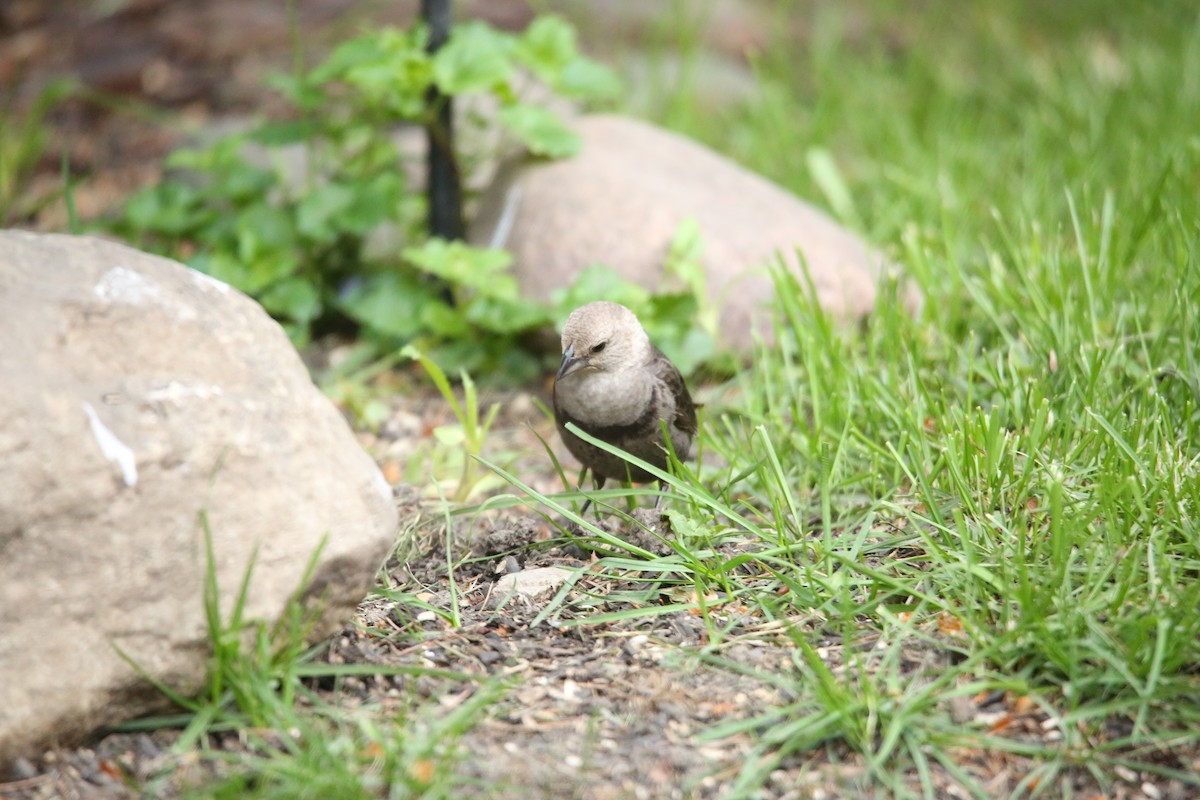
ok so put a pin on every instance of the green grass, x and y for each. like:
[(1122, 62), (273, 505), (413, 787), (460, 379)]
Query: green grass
[(1024, 456), (1008, 482), (24, 139)]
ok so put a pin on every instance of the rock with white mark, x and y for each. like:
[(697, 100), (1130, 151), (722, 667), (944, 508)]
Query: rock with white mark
[(620, 201), (138, 395)]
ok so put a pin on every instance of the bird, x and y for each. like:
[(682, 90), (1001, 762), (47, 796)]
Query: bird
[(616, 386)]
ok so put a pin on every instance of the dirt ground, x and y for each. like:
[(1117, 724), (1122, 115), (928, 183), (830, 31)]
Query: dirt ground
[(595, 708), (609, 709)]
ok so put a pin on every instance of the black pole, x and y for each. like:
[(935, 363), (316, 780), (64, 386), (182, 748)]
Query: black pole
[(444, 183)]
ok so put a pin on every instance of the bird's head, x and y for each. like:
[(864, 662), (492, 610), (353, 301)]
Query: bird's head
[(605, 337)]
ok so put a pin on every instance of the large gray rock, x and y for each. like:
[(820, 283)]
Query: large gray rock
[(137, 394), (621, 199)]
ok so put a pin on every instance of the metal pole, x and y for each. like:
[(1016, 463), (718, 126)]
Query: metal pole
[(444, 187)]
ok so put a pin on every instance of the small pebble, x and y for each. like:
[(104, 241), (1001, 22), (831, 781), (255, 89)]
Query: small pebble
[(21, 769), (1125, 773)]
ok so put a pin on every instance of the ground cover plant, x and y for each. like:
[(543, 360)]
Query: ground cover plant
[(955, 553), (302, 244)]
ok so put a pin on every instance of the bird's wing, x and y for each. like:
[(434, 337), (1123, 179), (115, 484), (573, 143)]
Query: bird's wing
[(685, 409)]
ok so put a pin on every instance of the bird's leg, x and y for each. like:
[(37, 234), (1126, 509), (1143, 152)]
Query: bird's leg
[(597, 485), (662, 487), (579, 488)]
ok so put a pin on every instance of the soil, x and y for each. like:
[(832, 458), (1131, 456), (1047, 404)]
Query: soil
[(598, 706), (594, 704)]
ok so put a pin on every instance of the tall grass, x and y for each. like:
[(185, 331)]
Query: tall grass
[(1021, 463)]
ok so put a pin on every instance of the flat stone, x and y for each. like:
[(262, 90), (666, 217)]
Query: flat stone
[(531, 583), (620, 201), (137, 396)]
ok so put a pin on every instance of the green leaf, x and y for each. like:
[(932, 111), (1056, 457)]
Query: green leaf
[(384, 46), (295, 299), (172, 209), (299, 91), (443, 320), (240, 183), (695, 348), (263, 229), (265, 249), (389, 303), (225, 266), (684, 262), (474, 58), (549, 48), (388, 68), (318, 212), (478, 268), (507, 316), (586, 79), (268, 268), (683, 256), (190, 158), (399, 86), (540, 130), (598, 282), (284, 132), (546, 46), (374, 200)]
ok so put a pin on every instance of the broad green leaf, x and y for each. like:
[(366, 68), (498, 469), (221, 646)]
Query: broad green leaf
[(507, 316), (250, 277), (169, 208), (374, 200), (689, 352), (597, 282), (683, 255), (398, 86), (387, 45), (540, 130), (444, 320), (239, 182), (275, 134), (474, 58), (295, 299), (546, 46), (319, 210), (477, 268), (684, 262), (299, 91), (388, 303), (586, 79), (262, 230), (269, 268), (389, 68)]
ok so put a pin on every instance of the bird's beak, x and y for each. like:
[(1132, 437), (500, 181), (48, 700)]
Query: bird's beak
[(569, 362)]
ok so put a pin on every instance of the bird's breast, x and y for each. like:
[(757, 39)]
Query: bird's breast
[(604, 398)]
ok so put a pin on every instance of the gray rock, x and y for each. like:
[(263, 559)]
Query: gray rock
[(621, 200), (136, 395)]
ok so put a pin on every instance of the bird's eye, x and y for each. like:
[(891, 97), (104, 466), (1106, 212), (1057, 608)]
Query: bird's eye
[(599, 348)]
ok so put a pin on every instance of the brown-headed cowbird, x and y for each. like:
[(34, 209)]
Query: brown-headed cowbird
[(615, 385)]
